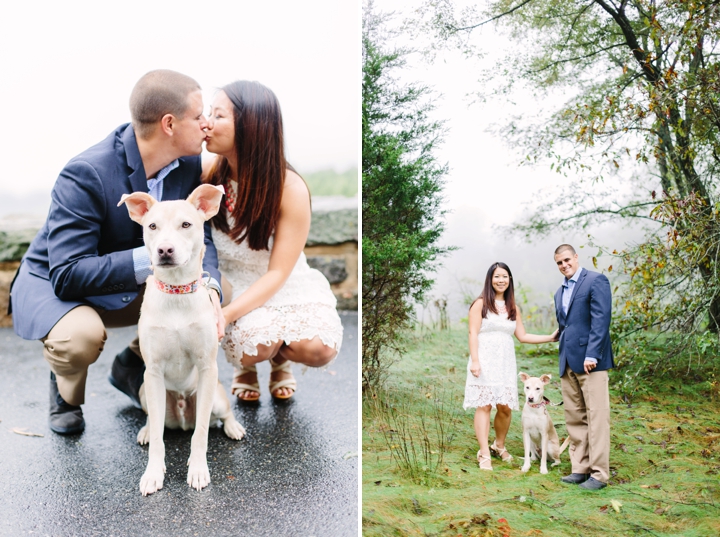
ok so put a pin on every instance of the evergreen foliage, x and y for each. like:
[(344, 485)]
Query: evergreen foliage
[(401, 196)]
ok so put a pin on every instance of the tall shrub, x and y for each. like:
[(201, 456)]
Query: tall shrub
[(401, 196)]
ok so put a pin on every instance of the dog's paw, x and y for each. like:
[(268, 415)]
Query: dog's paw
[(525, 468), (198, 475), (143, 436), (544, 470), (152, 481), (233, 429)]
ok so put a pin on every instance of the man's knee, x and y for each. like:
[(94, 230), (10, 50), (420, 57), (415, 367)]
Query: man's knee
[(76, 341)]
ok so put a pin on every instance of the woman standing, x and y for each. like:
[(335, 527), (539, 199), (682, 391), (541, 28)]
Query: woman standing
[(281, 310), (492, 372)]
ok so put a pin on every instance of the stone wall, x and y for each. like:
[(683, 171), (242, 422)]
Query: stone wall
[(332, 248)]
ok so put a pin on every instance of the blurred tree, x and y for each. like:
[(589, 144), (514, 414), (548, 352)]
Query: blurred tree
[(641, 80), (401, 196)]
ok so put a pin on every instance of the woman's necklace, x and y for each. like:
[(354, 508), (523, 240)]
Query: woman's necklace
[(500, 305), (230, 196)]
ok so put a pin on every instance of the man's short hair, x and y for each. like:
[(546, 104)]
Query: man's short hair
[(158, 93), (563, 248)]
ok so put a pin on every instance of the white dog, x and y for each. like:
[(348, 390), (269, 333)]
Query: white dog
[(539, 435), (178, 334)]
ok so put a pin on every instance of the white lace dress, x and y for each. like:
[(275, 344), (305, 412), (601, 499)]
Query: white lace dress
[(497, 382), (303, 308)]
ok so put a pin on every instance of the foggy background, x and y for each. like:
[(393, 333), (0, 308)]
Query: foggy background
[(486, 189), (68, 69)]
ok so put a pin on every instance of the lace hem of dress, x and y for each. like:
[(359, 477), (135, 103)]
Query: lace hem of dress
[(267, 325), (477, 396)]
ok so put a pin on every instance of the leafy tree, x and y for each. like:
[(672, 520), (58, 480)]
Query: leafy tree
[(643, 84), (401, 196)]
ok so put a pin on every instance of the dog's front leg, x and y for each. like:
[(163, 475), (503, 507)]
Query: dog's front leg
[(527, 442), (198, 472), (544, 453), (152, 479)]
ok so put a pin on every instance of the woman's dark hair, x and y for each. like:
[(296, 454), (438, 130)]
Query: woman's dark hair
[(488, 294), (261, 163)]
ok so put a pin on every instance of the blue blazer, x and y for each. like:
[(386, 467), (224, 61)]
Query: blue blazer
[(585, 330), (83, 253)]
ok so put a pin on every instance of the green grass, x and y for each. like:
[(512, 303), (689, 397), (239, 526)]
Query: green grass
[(665, 457), (332, 183)]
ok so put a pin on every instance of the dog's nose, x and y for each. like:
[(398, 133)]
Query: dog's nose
[(165, 250)]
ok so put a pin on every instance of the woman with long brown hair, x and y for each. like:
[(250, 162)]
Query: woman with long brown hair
[(281, 309), (492, 373)]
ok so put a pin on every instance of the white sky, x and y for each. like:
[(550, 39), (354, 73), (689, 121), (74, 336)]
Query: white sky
[(486, 188), (68, 69)]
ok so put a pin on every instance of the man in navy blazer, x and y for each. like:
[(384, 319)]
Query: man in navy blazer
[(86, 268), (583, 306)]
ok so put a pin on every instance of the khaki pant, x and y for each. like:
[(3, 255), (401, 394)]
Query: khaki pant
[(587, 417), (77, 340)]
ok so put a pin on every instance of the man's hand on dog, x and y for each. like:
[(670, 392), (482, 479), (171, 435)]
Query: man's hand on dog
[(475, 368), (589, 365), (219, 316)]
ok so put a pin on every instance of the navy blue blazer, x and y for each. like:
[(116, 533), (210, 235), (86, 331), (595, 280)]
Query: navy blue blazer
[(83, 253), (585, 330)]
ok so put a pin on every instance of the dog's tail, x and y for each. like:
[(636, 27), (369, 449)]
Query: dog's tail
[(564, 445)]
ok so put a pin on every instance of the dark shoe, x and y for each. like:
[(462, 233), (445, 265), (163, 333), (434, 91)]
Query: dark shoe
[(128, 379), (575, 479), (592, 484), (64, 418)]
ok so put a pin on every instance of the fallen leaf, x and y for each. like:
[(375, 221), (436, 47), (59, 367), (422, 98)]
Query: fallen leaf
[(616, 505), (480, 520), (350, 455), (603, 508), (26, 433)]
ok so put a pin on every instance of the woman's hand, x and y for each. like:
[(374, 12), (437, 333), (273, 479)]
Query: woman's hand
[(219, 316), (475, 367), (554, 335)]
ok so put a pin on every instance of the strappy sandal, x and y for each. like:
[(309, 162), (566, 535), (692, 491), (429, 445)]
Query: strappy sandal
[(502, 453), (285, 367), (238, 387), (485, 463)]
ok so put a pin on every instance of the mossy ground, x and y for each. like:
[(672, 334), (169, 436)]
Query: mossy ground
[(665, 458)]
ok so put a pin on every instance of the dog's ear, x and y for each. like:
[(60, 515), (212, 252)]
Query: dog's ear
[(206, 199), (523, 376), (138, 204), (545, 379)]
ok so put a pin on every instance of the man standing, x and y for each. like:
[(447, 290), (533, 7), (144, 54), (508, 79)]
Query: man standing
[(86, 268), (583, 306)]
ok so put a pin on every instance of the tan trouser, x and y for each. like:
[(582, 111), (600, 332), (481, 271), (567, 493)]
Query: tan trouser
[(587, 418), (77, 340)]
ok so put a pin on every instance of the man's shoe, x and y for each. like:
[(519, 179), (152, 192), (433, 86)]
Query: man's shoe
[(64, 418), (575, 479), (128, 379), (592, 484)]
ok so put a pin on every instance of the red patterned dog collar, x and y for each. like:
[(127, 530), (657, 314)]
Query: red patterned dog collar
[(178, 289)]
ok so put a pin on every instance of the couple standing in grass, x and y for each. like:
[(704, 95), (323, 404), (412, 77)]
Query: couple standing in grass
[(583, 309)]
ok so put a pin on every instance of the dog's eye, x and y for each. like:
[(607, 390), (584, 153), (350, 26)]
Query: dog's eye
[(152, 226), (186, 224)]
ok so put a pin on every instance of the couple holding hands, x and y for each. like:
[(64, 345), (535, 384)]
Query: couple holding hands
[(583, 307), (86, 269)]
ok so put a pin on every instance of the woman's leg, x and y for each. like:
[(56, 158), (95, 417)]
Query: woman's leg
[(482, 429), (503, 416), (310, 352), (248, 376)]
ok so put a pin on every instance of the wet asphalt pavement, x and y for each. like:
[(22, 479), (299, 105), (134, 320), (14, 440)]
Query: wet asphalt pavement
[(295, 473)]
